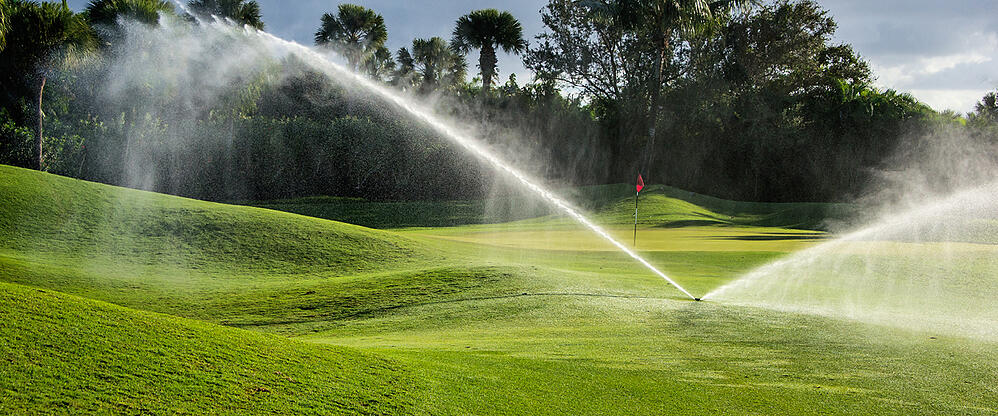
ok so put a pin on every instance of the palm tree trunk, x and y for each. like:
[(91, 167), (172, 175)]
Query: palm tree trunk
[(41, 115), (487, 62), (656, 98)]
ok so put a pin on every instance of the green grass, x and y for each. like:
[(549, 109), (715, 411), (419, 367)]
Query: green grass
[(397, 214), (190, 307), (76, 220), (661, 206), (63, 354)]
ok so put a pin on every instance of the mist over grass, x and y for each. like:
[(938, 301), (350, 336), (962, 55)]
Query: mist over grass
[(922, 257), (486, 316)]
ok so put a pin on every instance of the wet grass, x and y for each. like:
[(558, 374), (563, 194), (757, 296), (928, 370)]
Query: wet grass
[(121, 301), (660, 206), (63, 354)]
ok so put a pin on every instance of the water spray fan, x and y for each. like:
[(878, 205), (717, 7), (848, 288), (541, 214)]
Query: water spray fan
[(446, 129)]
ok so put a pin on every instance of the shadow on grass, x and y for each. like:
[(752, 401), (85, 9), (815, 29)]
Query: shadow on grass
[(775, 237)]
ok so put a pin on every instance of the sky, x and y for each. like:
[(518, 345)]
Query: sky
[(941, 51)]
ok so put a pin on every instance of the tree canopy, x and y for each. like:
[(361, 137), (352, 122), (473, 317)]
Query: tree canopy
[(432, 64), (108, 12), (356, 32), (241, 11), (45, 35), (754, 103), (487, 30)]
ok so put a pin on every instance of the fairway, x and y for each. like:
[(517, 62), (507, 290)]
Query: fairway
[(531, 316), (488, 208)]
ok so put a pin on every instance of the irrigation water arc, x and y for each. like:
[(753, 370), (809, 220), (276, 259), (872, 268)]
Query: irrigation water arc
[(475, 147)]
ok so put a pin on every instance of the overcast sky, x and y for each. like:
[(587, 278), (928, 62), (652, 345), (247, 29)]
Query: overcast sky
[(941, 51)]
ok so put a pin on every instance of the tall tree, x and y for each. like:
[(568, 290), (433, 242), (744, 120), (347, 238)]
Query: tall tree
[(107, 12), (661, 21), (622, 54), (987, 108), (404, 76), (104, 15), (242, 11), (43, 36), (380, 64), (437, 64), (593, 53), (355, 31), (487, 30)]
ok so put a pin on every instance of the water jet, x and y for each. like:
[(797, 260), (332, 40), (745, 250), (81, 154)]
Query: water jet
[(280, 48), (929, 268)]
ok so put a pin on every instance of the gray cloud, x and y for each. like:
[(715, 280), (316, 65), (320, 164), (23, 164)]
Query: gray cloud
[(925, 45)]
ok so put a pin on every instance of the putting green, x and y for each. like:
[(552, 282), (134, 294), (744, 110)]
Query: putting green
[(714, 238)]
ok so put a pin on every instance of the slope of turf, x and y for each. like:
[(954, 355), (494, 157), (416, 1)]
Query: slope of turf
[(661, 206), (646, 355), (666, 200), (68, 355), (398, 214), (530, 317), (73, 219), (221, 263)]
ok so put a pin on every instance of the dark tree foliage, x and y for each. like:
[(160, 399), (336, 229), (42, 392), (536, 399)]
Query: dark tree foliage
[(241, 11), (43, 36), (359, 34), (431, 65), (987, 108), (105, 16), (487, 30), (774, 111), (754, 105), (109, 12), (4, 24)]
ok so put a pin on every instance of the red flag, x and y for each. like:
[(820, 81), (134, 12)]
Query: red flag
[(641, 183)]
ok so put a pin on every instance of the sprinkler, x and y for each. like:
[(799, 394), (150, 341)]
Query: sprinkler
[(454, 134), (697, 299)]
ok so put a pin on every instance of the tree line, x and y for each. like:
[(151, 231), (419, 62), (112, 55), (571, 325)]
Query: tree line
[(730, 98)]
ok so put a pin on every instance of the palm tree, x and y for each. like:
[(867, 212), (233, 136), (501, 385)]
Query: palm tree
[(665, 17), (357, 32), (104, 15), (487, 30), (662, 19), (987, 108), (380, 64), (107, 12), (42, 36), (403, 76), (242, 11), (437, 63)]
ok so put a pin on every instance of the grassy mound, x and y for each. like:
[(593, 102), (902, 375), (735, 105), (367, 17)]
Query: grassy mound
[(661, 206), (225, 264), (665, 206), (72, 219), (536, 316), (400, 214), (78, 356)]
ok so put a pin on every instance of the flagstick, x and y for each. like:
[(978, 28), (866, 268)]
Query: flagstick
[(636, 218)]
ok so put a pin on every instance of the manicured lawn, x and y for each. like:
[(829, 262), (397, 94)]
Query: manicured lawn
[(123, 301)]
